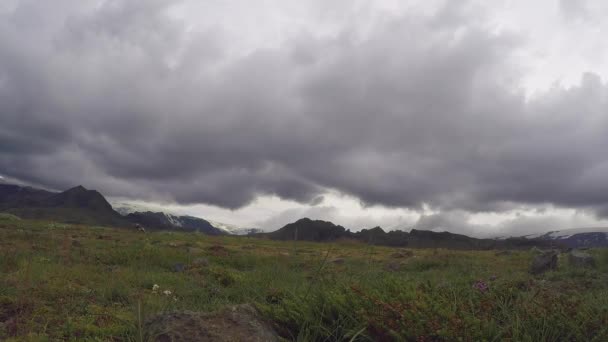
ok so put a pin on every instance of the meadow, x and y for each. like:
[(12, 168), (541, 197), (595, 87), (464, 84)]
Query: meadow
[(70, 282)]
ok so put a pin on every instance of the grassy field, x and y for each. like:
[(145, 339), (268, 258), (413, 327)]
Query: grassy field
[(63, 282)]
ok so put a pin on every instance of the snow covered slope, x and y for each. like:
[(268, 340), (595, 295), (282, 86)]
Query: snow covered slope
[(578, 237)]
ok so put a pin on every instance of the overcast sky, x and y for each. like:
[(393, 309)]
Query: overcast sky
[(481, 117)]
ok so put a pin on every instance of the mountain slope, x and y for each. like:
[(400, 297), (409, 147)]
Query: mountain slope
[(163, 221), (76, 205), (309, 230), (15, 196), (125, 207), (578, 237)]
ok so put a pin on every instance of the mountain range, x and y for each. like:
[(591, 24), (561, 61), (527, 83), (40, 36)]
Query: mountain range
[(317, 230), (577, 238), (79, 205)]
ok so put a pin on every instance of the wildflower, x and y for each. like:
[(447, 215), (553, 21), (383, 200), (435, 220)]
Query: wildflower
[(155, 288), (174, 299), (167, 292), (481, 286)]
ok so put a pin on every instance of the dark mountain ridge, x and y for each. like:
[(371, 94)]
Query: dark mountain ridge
[(316, 230), (76, 205), (14, 196), (81, 206)]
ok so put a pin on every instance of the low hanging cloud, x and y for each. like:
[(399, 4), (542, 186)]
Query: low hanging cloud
[(416, 110)]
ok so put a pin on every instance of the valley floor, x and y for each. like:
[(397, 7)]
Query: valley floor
[(64, 282)]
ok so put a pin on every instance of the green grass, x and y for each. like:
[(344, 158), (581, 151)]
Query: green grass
[(100, 288)]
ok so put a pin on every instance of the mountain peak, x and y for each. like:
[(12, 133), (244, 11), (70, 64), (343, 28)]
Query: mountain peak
[(78, 188), (80, 197)]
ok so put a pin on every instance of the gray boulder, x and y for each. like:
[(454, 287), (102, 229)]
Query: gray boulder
[(578, 258), (234, 323), (544, 262)]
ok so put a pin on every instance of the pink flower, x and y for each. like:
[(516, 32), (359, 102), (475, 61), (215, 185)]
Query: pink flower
[(481, 286)]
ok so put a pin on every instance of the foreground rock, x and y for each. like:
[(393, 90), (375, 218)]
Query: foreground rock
[(234, 323), (581, 259), (544, 262)]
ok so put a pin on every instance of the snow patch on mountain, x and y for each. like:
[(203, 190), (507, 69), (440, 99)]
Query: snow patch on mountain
[(125, 207), (174, 220), (228, 228), (566, 233)]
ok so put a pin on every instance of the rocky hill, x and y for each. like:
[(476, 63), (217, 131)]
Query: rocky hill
[(309, 230)]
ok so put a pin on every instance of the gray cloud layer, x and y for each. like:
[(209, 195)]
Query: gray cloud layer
[(420, 109)]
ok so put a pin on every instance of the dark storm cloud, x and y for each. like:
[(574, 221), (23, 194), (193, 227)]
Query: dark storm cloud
[(419, 110)]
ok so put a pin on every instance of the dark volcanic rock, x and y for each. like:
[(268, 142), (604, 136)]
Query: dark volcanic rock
[(235, 323), (581, 259), (544, 262)]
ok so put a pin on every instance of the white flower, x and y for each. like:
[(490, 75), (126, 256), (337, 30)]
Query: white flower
[(167, 292), (155, 287), (174, 299)]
